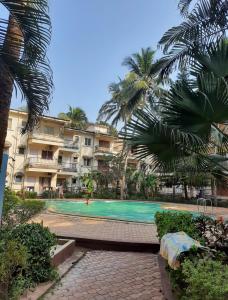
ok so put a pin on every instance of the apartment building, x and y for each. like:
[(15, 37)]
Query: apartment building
[(54, 154)]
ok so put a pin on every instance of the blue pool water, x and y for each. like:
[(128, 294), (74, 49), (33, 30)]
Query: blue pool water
[(137, 211)]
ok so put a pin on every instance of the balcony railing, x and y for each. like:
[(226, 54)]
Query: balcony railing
[(37, 162), (68, 167), (71, 145), (41, 135), (102, 149)]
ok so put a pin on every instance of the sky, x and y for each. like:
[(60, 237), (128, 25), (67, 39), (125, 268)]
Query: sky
[(90, 39)]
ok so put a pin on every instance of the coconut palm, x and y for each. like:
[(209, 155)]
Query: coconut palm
[(139, 88), (205, 23), (24, 38), (76, 116), (190, 133)]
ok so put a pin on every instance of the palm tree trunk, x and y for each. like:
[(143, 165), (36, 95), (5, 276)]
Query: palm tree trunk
[(6, 81), (185, 191), (123, 181)]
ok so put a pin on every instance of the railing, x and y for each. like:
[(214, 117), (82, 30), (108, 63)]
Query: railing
[(37, 162), (102, 149), (71, 145), (68, 167), (40, 134)]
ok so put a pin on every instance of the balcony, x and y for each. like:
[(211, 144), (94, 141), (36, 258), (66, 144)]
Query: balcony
[(69, 145), (102, 151), (37, 163), (40, 137), (68, 167)]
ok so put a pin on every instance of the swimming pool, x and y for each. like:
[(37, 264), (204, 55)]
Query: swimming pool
[(137, 211)]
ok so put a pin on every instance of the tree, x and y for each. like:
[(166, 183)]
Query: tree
[(24, 38), (133, 92), (145, 181), (189, 135), (205, 22), (76, 116), (88, 180)]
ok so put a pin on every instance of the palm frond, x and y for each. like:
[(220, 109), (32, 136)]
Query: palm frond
[(34, 22), (30, 70)]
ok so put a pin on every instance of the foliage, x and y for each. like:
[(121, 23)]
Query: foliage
[(134, 91), (146, 182), (71, 195), (18, 211), (181, 137), (205, 279), (13, 261), (76, 116), (27, 194), (29, 69), (49, 195), (205, 23), (215, 232), (38, 240), (88, 181), (199, 266), (169, 222), (105, 194)]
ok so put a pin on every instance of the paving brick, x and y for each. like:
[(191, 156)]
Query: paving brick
[(99, 229), (122, 275)]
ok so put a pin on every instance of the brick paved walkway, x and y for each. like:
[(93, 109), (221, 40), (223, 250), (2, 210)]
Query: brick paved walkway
[(98, 229), (108, 275)]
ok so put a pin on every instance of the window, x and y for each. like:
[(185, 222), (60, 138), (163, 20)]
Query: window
[(60, 159), (21, 150), (104, 144), (47, 154), (18, 178), (23, 123), (87, 162), (75, 159), (9, 123), (74, 180), (49, 130), (88, 141)]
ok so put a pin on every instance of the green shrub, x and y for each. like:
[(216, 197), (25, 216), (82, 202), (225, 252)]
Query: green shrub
[(205, 279), (50, 195), (70, 195), (13, 261), (29, 208), (39, 241), (105, 194), (27, 195), (18, 211), (168, 222)]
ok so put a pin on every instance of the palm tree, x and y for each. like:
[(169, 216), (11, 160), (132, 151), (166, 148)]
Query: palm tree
[(189, 135), (137, 89), (24, 38), (76, 116), (205, 23)]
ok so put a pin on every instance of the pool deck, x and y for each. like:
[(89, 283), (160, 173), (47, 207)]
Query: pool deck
[(111, 230), (98, 229)]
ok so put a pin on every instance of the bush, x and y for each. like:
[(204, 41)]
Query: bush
[(18, 211), (27, 195), (168, 222), (50, 195), (29, 208), (39, 241), (205, 279), (105, 194), (70, 195), (13, 261)]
